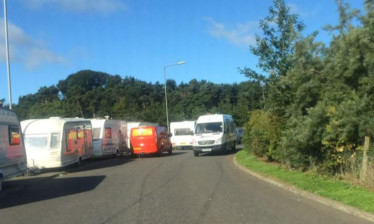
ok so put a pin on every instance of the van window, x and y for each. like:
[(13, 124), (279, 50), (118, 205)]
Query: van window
[(142, 132), (227, 127), (14, 135), (232, 127)]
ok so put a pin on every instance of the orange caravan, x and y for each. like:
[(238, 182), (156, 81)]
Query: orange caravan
[(150, 139)]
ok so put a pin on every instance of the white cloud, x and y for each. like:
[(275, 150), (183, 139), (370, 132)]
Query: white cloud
[(37, 56), (26, 50), (295, 9), (242, 35), (80, 6)]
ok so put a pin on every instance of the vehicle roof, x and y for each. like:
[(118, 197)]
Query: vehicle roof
[(98, 122), (8, 116), (213, 118), (52, 124), (182, 124)]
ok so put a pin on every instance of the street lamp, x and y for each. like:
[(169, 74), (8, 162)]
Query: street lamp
[(7, 54), (166, 96)]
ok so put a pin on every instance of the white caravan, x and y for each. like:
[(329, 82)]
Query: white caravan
[(109, 137), (182, 134), (12, 150), (131, 125), (213, 133), (57, 142)]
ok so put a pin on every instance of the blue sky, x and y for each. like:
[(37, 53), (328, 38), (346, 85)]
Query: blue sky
[(51, 39)]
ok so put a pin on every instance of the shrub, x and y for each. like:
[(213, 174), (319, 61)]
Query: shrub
[(262, 134)]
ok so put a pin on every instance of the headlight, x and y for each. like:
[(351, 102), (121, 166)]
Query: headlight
[(219, 140)]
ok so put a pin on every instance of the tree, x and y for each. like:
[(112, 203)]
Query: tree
[(281, 30), (275, 49)]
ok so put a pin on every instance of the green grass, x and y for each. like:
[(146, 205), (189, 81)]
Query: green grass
[(332, 188)]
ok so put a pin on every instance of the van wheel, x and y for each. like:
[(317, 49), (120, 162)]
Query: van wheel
[(233, 149), (132, 154), (161, 151), (1, 183), (227, 150), (195, 153), (170, 150)]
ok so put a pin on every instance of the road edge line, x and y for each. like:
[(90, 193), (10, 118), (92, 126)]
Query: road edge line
[(326, 201)]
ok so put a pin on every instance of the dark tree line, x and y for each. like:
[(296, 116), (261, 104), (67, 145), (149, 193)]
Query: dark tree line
[(96, 94)]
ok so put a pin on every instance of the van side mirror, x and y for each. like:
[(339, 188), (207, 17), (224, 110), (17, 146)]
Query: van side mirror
[(170, 134)]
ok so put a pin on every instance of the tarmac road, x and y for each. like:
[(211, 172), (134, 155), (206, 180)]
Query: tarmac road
[(173, 189)]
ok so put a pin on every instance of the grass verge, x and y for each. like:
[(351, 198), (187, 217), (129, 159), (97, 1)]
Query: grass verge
[(332, 188)]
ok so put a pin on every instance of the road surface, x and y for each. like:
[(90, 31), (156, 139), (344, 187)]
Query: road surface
[(173, 189)]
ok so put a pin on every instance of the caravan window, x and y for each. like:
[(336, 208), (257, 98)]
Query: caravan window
[(14, 135), (54, 140), (36, 141), (78, 132), (96, 133), (108, 132)]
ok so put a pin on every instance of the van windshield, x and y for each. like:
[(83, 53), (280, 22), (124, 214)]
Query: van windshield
[(208, 127)]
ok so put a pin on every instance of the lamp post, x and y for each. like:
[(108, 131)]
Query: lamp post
[(7, 54), (166, 96)]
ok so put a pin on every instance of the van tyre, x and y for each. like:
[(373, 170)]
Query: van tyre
[(161, 151), (226, 149), (195, 153), (1, 183), (170, 150), (233, 149)]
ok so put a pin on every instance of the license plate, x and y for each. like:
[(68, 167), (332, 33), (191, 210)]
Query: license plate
[(137, 148), (207, 150)]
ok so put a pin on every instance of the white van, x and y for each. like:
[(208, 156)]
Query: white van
[(182, 134), (109, 137), (57, 142), (12, 150), (214, 133)]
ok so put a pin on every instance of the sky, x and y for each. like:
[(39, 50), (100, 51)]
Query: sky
[(52, 39)]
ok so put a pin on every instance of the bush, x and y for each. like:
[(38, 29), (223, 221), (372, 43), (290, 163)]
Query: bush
[(302, 139), (262, 134)]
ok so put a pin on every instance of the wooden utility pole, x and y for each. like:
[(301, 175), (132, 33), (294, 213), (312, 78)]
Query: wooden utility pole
[(364, 167)]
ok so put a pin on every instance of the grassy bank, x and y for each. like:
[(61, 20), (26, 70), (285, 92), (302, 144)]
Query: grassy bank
[(335, 189)]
